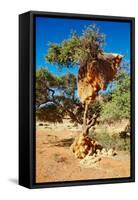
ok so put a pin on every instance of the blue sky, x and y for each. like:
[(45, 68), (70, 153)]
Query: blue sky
[(58, 29)]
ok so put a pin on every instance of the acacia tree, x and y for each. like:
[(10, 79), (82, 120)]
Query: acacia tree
[(55, 97), (79, 50)]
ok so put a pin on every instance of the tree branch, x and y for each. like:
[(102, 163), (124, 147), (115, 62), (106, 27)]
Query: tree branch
[(71, 114), (85, 115), (92, 121)]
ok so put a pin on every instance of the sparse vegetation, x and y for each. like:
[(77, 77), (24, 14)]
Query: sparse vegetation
[(112, 141), (117, 105)]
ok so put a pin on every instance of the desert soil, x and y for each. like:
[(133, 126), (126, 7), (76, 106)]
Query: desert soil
[(56, 162)]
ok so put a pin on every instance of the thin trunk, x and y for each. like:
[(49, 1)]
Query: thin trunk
[(88, 124), (85, 130)]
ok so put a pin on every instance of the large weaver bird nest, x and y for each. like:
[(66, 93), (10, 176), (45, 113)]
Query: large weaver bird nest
[(94, 75)]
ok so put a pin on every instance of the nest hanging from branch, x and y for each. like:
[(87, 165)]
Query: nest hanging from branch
[(95, 74)]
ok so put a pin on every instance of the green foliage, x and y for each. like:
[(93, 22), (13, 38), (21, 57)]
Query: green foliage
[(45, 77), (111, 141), (59, 90), (64, 54), (50, 113), (118, 105), (47, 84), (44, 80), (68, 85), (95, 107), (77, 48)]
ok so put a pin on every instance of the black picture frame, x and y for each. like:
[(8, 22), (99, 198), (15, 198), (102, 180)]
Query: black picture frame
[(27, 99)]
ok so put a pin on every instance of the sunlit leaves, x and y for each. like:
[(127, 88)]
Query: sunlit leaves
[(77, 48), (118, 106)]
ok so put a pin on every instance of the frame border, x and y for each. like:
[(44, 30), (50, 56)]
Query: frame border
[(32, 121)]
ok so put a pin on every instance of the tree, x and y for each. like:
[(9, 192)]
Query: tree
[(56, 94), (79, 50), (45, 81)]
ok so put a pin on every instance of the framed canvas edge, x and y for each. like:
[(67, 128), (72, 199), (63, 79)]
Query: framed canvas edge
[(33, 183)]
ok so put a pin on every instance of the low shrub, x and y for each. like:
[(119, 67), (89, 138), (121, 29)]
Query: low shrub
[(114, 141)]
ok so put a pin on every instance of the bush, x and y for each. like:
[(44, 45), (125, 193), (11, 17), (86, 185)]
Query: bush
[(114, 141), (50, 113), (118, 106)]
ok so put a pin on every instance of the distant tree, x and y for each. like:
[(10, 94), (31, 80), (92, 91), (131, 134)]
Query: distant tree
[(68, 85), (50, 113), (118, 105), (45, 81), (56, 93)]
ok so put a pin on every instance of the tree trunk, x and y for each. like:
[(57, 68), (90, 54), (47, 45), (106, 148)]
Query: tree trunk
[(85, 130), (83, 144), (87, 124)]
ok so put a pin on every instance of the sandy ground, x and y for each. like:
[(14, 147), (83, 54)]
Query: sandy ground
[(55, 161)]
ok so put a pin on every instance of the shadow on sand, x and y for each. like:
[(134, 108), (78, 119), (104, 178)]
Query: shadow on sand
[(63, 143)]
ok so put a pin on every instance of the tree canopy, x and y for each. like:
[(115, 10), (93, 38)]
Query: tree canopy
[(77, 48), (57, 93)]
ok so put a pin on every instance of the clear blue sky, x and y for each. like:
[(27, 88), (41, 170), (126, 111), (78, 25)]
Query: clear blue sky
[(56, 30)]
